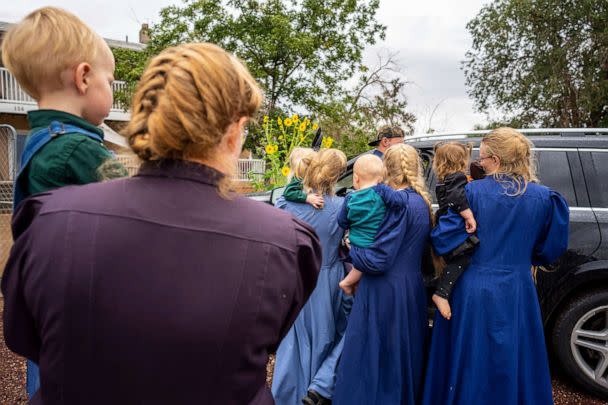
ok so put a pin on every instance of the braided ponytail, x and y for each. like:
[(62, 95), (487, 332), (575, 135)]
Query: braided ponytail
[(404, 169), (186, 99)]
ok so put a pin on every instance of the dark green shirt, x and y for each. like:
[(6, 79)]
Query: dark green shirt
[(68, 159), (294, 191), (366, 211)]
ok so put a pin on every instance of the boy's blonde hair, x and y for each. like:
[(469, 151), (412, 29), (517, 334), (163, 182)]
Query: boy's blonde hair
[(299, 160), (187, 98), (517, 163), (451, 157), (44, 44), (369, 167), (324, 170)]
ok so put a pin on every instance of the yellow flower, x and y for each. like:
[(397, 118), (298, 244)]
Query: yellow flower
[(270, 149), (288, 122), (285, 171), (275, 148), (279, 121), (314, 127), (266, 119), (302, 138), (303, 126), (327, 142), (295, 118)]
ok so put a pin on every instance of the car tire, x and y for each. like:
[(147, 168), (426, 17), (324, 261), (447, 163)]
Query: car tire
[(583, 314)]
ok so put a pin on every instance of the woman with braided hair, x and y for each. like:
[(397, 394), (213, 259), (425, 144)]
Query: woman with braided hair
[(306, 361), (164, 288), (383, 356), (492, 350)]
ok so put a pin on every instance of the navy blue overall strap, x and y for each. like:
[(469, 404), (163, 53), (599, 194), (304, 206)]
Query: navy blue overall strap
[(36, 142)]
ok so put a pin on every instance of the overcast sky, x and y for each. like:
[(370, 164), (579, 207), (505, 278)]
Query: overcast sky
[(430, 37)]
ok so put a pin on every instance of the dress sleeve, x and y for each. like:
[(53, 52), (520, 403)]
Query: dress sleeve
[(343, 214), (309, 263), (294, 191), (553, 241), (378, 258), (20, 332), (393, 199)]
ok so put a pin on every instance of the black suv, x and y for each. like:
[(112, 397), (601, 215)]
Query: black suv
[(573, 293)]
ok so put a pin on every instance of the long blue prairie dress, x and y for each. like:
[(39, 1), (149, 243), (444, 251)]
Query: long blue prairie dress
[(383, 357), (492, 351), (308, 355)]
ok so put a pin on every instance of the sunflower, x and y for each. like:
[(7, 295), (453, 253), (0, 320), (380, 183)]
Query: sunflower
[(285, 171), (270, 149), (288, 122), (266, 119), (295, 118), (314, 127), (280, 121), (303, 126)]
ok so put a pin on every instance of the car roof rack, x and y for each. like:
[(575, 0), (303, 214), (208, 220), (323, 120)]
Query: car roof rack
[(529, 131)]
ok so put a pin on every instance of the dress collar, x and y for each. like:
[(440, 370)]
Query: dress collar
[(180, 169)]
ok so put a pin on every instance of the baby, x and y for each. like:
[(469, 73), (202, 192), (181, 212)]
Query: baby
[(363, 210)]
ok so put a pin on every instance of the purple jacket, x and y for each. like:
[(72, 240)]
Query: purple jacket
[(154, 289)]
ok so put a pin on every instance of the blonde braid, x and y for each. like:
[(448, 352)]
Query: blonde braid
[(404, 168), (145, 101), (187, 99)]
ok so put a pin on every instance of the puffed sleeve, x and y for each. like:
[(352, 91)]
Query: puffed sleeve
[(449, 233), (379, 257), (553, 241), (309, 263), (20, 332), (393, 199), (343, 214)]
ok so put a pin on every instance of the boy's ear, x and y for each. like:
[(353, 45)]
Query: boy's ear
[(82, 77)]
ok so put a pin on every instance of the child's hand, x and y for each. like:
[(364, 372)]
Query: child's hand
[(470, 225), (348, 286), (443, 306), (469, 220), (315, 200)]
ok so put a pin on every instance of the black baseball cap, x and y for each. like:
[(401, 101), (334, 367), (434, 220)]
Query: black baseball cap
[(388, 131)]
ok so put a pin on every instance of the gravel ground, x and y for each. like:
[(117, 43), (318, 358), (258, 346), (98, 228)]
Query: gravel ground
[(12, 380)]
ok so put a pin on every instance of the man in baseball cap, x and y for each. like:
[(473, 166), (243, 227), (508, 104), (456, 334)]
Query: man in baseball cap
[(387, 136)]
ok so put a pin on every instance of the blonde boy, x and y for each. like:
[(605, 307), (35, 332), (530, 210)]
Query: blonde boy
[(363, 211), (68, 70)]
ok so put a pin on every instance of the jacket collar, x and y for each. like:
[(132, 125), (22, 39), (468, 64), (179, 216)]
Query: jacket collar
[(180, 169)]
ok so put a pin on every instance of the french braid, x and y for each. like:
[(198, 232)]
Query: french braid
[(187, 98)]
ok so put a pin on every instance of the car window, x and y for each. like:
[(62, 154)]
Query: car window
[(554, 172), (596, 173), (345, 182)]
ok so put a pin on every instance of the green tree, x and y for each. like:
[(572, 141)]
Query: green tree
[(301, 51), (541, 62), (377, 99)]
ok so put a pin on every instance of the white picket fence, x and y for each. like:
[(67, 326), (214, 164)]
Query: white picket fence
[(248, 169), (251, 169)]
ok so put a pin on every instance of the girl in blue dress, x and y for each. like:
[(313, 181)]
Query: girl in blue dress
[(306, 360), (383, 357), (492, 350)]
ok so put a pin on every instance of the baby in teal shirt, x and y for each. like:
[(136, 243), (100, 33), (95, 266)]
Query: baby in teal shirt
[(363, 210)]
